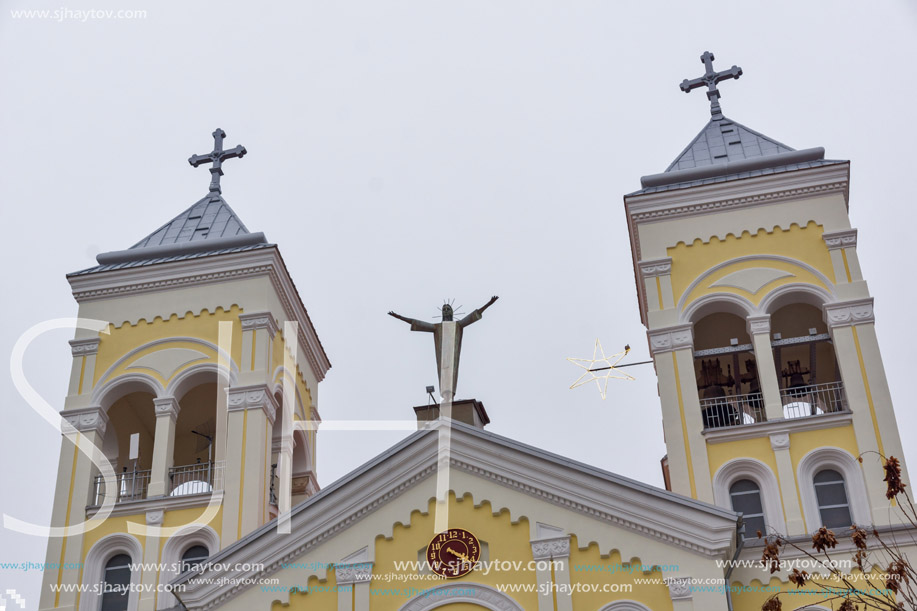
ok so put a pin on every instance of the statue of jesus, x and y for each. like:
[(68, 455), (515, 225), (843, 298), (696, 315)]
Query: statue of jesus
[(447, 337)]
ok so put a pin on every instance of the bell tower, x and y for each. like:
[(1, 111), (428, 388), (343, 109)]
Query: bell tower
[(762, 329), (192, 407)]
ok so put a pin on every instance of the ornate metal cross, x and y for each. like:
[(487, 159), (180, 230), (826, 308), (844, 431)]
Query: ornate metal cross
[(710, 79), (216, 157)]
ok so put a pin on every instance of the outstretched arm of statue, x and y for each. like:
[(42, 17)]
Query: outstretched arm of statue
[(416, 325), (476, 315)]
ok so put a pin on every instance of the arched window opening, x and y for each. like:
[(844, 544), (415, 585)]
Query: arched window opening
[(193, 557), (833, 502), (194, 469), (130, 417), (726, 372), (116, 581), (746, 499), (806, 362)]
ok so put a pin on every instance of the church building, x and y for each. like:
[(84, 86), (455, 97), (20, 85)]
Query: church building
[(187, 481)]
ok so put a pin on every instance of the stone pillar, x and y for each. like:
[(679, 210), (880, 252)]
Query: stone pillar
[(71, 496), (552, 572), (167, 409), (84, 364), (258, 331), (251, 411), (154, 519), (353, 585), (780, 444), (842, 248), (657, 284), (682, 422), (852, 327), (759, 329)]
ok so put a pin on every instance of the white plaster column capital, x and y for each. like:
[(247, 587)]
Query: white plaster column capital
[(553, 548), (846, 238), (87, 419), (84, 347), (849, 313), (780, 440), (669, 339), (256, 396), (679, 588), (166, 406), (358, 572), (655, 267), (758, 324), (259, 320), (155, 517)]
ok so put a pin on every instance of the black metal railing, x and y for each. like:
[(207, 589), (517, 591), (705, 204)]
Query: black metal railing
[(813, 399), (129, 486), (732, 410), (198, 478)]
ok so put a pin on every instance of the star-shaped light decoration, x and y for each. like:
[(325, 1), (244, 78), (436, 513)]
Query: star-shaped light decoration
[(600, 368)]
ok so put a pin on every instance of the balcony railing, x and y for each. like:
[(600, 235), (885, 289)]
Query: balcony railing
[(198, 478), (732, 410), (813, 399), (129, 486)]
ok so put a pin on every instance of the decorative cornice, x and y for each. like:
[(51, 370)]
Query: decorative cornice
[(758, 324), (780, 440), (165, 503), (679, 588), (547, 549), (257, 396), (359, 572), (205, 270), (87, 419), (765, 429), (167, 406), (84, 347), (840, 239), (848, 313), (656, 267), (669, 339), (259, 320)]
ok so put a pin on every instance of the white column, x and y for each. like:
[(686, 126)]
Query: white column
[(154, 519), (552, 572), (759, 328), (84, 364), (71, 497), (657, 284), (357, 576), (780, 444), (167, 409)]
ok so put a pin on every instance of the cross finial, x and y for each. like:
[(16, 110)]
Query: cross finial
[(710, 79), (216, 157)]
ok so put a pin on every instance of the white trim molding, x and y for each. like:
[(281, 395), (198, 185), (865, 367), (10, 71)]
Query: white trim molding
[(87, 419), (669, 339), (765, 429), (356, 572), (848, 313), (259, 320), (656, 267), (256, 396), (625, 605), (94, 568), (84, 347), (166, 406), (172, 551), (465, 592), (679, 588), (846, 238), (846, 465), (761, 474), (549, 549), (758, 324)]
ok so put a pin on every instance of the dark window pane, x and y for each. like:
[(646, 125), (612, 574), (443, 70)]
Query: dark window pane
[(747, 503), (836, 517), (753, 525), (831, 494), (743, 485), (193, 556), (826, 476), (117, 578)]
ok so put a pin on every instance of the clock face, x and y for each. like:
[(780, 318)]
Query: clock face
[(453, 553)]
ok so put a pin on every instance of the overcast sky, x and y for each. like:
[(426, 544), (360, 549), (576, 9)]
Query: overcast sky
[(404, 152)]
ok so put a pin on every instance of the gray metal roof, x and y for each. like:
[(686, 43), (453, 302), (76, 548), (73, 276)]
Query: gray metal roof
[(723, 140), (208, 227), (209, 218)]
